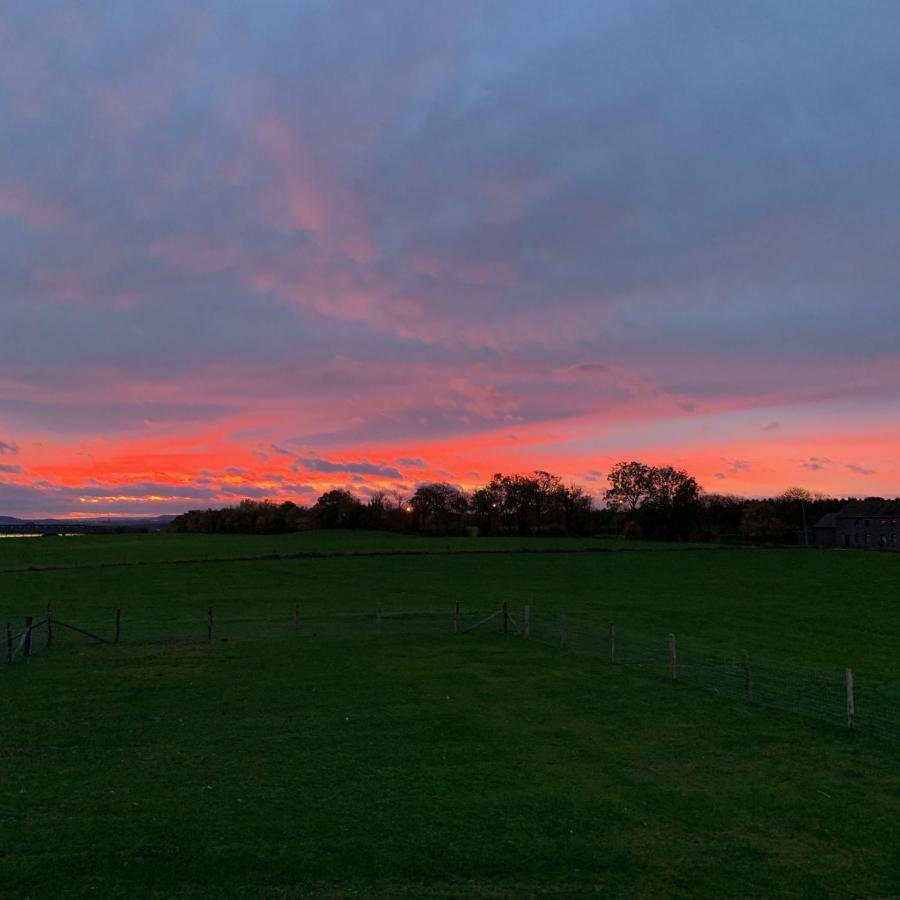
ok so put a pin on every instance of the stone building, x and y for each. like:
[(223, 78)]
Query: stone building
[(870, 524)]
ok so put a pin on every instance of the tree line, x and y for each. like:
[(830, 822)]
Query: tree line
[(642, 502)]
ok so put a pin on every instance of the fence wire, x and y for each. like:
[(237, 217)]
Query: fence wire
[(820, 693), (817, 692), (206, 625)]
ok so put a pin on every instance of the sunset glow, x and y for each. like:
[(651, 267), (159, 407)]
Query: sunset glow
[(264, 250)]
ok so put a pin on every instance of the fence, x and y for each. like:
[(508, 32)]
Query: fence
[(836, 695), (839, 696), (206, 625), (21, 645)]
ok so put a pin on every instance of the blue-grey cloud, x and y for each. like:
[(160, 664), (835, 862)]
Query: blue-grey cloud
[(737, 465), (816, 463), (411, 462), (91, 499), (363, 467)]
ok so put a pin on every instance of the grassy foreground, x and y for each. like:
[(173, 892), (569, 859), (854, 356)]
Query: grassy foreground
[(275, 763)]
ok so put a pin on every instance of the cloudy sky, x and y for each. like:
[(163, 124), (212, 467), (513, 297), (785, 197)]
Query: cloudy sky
[(258, 248)]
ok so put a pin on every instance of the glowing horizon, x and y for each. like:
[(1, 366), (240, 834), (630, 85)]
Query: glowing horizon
[(264, 252)]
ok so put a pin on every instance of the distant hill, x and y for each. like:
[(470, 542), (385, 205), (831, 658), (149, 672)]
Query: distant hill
[(107, 521), (113, 520)]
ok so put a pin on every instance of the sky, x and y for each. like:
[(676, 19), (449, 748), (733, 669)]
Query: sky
[(263, 248)]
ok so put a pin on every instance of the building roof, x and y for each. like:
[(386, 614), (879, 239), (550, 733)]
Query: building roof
[(829, 520), (870, 508)]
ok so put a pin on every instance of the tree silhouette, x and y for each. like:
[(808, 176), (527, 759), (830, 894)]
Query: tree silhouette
[(629, 484)]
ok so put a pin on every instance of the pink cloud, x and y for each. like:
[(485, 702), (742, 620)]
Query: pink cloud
[(19, 202)]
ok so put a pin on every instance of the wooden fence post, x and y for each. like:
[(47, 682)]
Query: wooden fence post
[(456, 618), (851, 707), (209, 624), (673, 657), (9, 642), (526, 623), (27, 645), (748, 684), (612, 642), (118, 626), (505, 619), (562, 630)]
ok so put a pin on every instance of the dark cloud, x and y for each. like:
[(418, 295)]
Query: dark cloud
[(411, 462), (8, 448), (816, 463), (90, 498), (233, 216), (737, 465), (94, 415), (316, 464), (13, 470), (860, 470), (47, 498), (592, 369)]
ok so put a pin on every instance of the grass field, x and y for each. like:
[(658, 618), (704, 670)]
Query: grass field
[(153, 548), (347, 759)]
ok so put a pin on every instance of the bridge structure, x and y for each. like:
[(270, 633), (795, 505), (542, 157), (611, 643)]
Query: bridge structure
[(35, 528)]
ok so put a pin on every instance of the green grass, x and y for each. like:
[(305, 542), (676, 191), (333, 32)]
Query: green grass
[(98, 550), (414, 764)]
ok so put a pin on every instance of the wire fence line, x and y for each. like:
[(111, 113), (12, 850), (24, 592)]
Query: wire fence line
[(206, 625), (835, 695), (20, 646)]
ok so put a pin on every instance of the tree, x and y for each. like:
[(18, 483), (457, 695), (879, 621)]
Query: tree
[(669, 488), (720, 516), (671, 507), (799, 494), (526, 504), (793, 501), (374, 514), (760, 522), (337, 509), (248, 517), (577, 506), (629, 484), (667, 498), (437, 505), (487, 503)]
